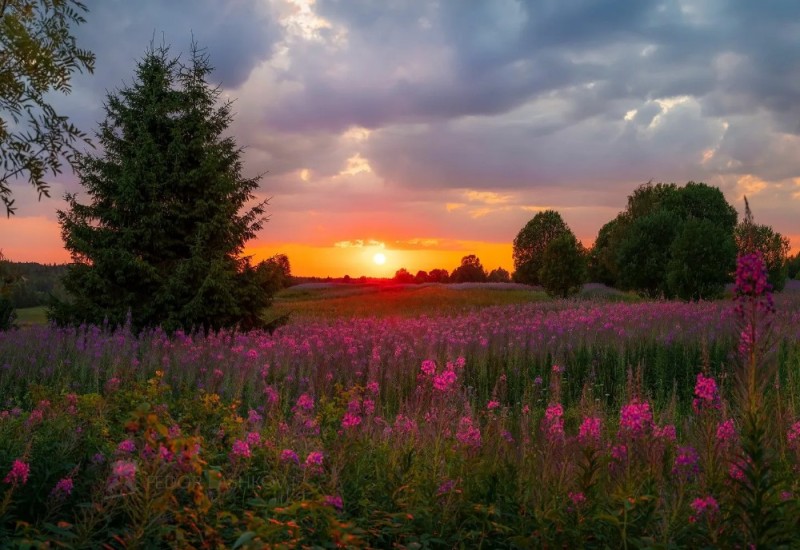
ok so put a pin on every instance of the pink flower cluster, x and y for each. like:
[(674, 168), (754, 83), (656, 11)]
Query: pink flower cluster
[(636, 418), (703, 506), (554, 421), (793, 435), (63, 488), (726, 432), (666, 433), (18, 475), (686, 463), (240, 450), (706, 394), (288, 455), (123, 476), (590, 431), (468, 433)]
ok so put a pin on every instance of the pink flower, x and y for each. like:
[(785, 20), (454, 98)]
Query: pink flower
[(350, 420), (557, 369), (126, 447), (468, 434), (428, 367), (446, 486), (636, 418), (666, 432), (304, 403), (240, 449), (271, 394), (405, 425), (726, 432), (706, 394), (253, 417), (554, 421), (492, 405), (334, 501), (589, 432), (444, 381), (793, 435), (373, 388), (165, 454), (36, 416), (314, 461), (577, 498), (686, 463), (538, 381), (123, 476), (288, 455), (63, 488), (703, 506), (253, 439), (619, 453), (18, 475)]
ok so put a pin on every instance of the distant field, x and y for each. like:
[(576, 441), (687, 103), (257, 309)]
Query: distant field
[(375, 300), (382, 300), (31, 316)]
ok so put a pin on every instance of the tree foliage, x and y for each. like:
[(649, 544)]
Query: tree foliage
[(438, 276), (531, 242), (773, 247), (164, 231), (499, 275), (793, 266), (470, 271), (8, 280), (702, 257), (635, 250), (403, 276), (563, 269), (645, 252), (38, 56)]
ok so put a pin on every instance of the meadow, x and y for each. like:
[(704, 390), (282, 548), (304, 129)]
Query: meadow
[(412, 417)]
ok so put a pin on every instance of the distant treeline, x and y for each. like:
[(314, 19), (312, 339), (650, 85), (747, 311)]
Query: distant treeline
[(34, 283)]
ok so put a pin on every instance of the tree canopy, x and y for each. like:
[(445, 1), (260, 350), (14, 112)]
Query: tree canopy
[(470, 271), (531, 242), (163, 233), (648, 247), (564, 267), (38, 56)]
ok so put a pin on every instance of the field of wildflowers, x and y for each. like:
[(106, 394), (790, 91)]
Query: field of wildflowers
[(544, 424)]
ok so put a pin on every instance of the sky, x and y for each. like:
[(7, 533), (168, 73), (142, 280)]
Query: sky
[(430, 130)]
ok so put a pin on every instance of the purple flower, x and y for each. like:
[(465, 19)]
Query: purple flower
[(288, 455), (63, 488)]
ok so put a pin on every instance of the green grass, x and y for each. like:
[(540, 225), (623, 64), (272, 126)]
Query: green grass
[(32, 316)]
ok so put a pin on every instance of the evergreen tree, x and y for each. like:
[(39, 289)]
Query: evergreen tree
[(163, 233)]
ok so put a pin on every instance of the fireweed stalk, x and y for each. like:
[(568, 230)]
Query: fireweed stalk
[(757, 501)]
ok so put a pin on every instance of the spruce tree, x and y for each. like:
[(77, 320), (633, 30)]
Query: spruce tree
[(162, 235)]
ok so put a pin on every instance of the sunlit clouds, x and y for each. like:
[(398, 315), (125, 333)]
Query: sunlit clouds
[(453, 123)]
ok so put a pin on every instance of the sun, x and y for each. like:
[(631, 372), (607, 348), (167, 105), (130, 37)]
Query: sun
[(379, 258)]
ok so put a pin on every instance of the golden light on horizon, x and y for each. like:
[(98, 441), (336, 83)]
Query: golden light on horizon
[(379, 258)]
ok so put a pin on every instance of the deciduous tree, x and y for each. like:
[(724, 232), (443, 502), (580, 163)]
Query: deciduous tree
[(563, 271), (38, 56), (470, 271), (531, 242)]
